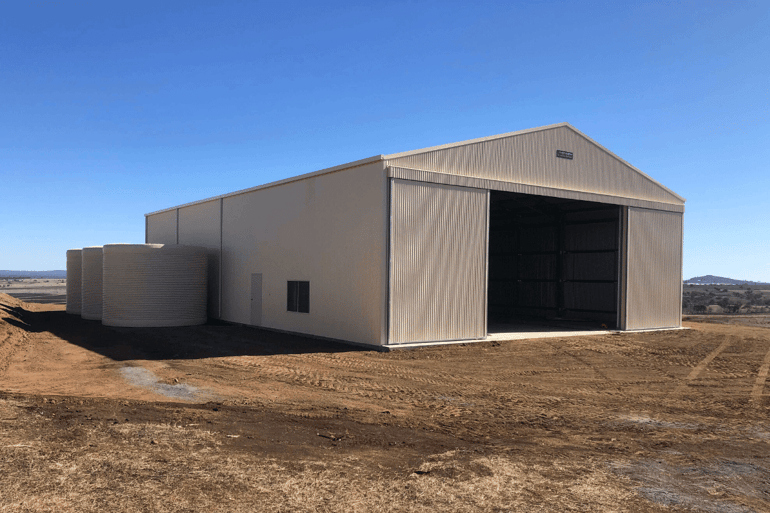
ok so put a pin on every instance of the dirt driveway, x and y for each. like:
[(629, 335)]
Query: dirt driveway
[(226, 418)]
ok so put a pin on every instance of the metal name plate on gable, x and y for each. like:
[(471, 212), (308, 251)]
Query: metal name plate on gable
[(564, 154)]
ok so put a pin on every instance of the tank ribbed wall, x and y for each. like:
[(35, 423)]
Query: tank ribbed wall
[(91, 283), (152, 285), (74, 266)]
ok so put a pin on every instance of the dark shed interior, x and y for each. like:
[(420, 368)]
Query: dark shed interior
[(554, 260)]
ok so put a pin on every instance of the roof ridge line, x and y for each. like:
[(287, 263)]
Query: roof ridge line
[(474, 141)]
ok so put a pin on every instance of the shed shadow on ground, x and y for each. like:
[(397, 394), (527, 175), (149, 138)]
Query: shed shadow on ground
[(212, 340)]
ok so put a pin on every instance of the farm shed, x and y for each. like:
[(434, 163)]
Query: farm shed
[(444, 243)]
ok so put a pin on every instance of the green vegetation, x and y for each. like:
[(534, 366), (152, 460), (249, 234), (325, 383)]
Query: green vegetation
[(726, 299)]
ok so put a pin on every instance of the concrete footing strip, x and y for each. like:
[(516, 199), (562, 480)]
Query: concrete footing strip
[(524, 335)]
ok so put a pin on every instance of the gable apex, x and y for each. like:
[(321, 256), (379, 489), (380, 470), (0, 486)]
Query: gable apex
[(530, 157)]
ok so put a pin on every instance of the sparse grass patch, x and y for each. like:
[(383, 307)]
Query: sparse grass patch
[(173, 468)]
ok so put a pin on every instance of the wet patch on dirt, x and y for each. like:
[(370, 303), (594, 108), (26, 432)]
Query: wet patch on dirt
[(717, 486), (141, 377)]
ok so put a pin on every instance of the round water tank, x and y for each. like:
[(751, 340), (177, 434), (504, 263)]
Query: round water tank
[(74, 265), (91, 283), (154, 285)]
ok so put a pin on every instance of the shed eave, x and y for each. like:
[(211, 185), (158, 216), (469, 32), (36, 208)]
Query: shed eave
[(312, 174)]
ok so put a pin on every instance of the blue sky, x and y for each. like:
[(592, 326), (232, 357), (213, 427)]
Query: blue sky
[(110, 110)]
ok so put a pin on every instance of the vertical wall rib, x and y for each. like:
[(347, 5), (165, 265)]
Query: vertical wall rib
[(438, 262), (654, 294), (200, 225), (623, 269)]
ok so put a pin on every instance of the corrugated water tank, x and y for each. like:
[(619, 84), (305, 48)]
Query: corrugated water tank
[(91, 283), (154, 285), (74, 266)]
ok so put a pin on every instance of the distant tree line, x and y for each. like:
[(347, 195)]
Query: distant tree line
[(721, 300)]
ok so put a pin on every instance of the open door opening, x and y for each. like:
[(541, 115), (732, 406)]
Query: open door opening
[(553, 264)]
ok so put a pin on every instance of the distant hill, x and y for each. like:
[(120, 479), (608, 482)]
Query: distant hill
[(710, 279), (50, 275)]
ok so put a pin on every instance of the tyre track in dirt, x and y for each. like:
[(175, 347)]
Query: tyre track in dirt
[(296, 369), (498, 393), (756, 392), (436, 398), (693, 375), (470, 384), (463, 397)]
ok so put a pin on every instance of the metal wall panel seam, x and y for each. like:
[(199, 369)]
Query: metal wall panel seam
[(391, 274), (388, 257), (177, 226), (419, 175)]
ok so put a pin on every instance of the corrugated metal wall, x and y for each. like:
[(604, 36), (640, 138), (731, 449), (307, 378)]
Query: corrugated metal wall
[(654, 246), (161, 228), (199, 225), (438, 257), (530, 158), (330, 230)]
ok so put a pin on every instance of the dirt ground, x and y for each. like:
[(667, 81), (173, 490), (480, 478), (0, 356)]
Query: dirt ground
[(227, 418)]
